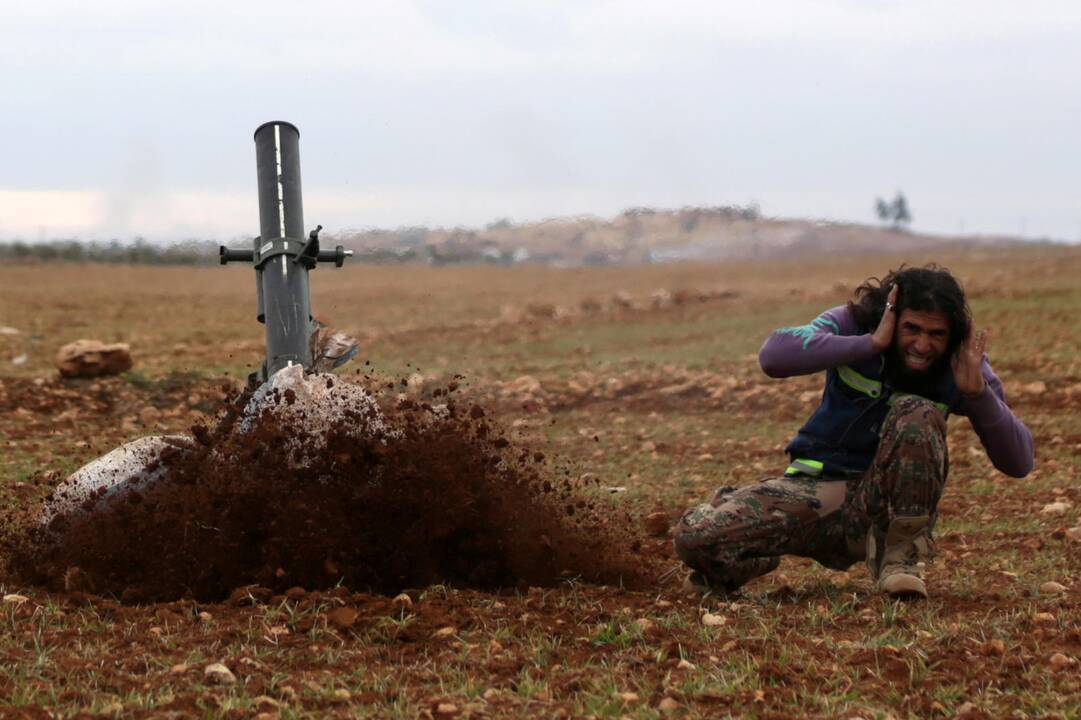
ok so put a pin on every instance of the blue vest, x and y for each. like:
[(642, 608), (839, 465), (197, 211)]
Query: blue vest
[(841, 436)]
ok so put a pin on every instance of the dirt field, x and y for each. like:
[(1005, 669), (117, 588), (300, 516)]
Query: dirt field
[(639, 382)]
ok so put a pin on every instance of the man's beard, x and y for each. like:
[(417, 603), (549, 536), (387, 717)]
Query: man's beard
[(917, 382)]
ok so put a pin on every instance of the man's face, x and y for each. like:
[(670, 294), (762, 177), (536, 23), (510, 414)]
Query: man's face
[(921, 340)]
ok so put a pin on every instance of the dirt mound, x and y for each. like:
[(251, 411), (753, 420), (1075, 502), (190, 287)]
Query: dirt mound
[(440, 495)]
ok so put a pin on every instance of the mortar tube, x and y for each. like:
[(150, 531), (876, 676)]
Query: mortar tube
[(286, 302)]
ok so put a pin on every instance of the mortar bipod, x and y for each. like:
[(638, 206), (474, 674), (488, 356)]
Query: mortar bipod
[(280, 257)]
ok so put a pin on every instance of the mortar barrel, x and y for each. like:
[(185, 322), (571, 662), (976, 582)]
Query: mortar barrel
[(286, 304), (277, 159)]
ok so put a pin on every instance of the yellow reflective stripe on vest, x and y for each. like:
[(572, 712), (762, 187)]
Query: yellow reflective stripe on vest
[(805, 466), (854, 380), (896, 397)]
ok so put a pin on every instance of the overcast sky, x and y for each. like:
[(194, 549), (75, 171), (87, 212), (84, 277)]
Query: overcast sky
[(120, 119)]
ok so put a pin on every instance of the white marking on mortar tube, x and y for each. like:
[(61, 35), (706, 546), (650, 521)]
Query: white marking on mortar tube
[(285, 267), (281, 194)]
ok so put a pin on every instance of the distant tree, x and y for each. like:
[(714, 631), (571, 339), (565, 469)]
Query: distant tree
[(883, 210), (901, 215), (895, 213)]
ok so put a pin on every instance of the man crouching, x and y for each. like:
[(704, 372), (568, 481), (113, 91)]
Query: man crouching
[(868, 468)]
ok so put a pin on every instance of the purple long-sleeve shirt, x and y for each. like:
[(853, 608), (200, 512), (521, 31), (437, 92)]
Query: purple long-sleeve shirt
[(833, 339)]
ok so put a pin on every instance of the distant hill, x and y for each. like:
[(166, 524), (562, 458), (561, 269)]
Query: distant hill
[(643, 235)]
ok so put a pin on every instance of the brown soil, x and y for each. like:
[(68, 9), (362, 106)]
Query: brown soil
[(670, 426), (440, 497)]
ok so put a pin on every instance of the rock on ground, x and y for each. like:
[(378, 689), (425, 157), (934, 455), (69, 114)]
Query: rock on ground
[(95, 484), (219, 674), (93, 358)]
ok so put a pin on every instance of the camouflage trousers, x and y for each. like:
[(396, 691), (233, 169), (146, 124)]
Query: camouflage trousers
[(741, 533)]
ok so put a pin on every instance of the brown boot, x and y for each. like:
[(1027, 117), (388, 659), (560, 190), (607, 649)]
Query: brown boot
[(729, 578), (893, 558)]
